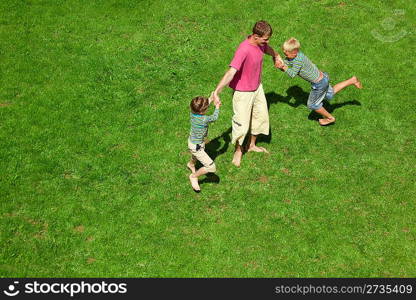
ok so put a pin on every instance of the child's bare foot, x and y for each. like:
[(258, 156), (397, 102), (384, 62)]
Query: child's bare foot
[(191, 167), (237, 158), (257, 149), (326, 121), (194, 183), (357, 83)]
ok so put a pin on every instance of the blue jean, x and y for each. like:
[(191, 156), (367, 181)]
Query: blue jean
[(320, 90)]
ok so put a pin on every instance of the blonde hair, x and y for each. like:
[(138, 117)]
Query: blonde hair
[(291, 44)]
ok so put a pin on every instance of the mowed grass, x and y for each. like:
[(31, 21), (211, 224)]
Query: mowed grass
[(94, 120)]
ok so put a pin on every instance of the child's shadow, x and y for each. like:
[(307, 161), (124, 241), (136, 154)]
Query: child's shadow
[(330, 108), (300, 97), (213, 149)]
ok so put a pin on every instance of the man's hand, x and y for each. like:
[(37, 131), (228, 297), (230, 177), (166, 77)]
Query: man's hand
[(211, 97), (217, 104), (278, 63), (215, 97)]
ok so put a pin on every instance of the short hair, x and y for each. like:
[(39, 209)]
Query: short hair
[(262, 28), (291, 44), (199, 105)]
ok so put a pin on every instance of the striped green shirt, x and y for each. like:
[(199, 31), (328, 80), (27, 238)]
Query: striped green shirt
[(199, 126), (302, 66)]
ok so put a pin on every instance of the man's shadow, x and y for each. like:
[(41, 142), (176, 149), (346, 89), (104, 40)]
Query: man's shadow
[(294, 92), (296, 97)]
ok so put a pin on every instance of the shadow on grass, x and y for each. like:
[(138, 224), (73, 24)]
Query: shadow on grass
[(330, 108), (213, 149), (300, 97), (294, 92), (210, 178)]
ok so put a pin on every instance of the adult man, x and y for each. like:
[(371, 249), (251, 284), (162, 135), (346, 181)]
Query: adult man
[(249, 101)]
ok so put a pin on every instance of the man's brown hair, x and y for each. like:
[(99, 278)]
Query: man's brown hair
[(199, 105), (262, 28)]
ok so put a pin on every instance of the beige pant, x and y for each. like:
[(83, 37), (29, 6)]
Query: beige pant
[(202, 156), (250, 110)]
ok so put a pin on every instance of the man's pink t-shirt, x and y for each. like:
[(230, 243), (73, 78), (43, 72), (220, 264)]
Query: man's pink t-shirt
[(248, 60)]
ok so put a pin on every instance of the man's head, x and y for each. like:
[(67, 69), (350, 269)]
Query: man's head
[(291, 48), (262, 31), (199, 105)]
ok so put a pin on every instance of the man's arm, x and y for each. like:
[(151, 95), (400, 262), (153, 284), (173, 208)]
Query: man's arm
[(226, 79), (278, 62)]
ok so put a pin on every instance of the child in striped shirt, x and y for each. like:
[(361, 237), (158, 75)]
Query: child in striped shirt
[(196, 144), (297, 63)]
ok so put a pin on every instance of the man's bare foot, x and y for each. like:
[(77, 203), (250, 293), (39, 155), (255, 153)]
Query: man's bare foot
[(257, 149), (326, 121), (237, 158), (191, 167), (194, 183), (357, 83)]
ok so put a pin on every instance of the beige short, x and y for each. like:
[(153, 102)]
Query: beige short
[(198, 153), (250, 111)]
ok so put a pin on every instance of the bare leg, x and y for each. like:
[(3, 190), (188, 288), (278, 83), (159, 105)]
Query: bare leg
[(238, 153), (193, 178), (253, 147), (191, 164), (343, 84), (328, 117)]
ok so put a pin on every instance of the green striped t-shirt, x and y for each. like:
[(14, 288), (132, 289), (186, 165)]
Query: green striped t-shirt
[(302, 66), (199, 126)]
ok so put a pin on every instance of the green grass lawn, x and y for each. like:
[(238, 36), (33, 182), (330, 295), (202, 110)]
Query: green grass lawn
[(94, 119)]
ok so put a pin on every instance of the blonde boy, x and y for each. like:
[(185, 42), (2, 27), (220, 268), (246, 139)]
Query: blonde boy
[(297, 63)]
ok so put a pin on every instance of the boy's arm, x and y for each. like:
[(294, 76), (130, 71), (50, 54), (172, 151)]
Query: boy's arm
[(294, 70), (215, 115), (226, 79)]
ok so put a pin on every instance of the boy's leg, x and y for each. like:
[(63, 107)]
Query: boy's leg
[(343, 84), (191, 164), (259, 120), (194, 178), (319, 91), (208, 166), (328, 118)]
